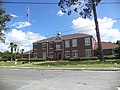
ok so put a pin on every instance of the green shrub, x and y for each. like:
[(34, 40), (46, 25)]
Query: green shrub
[(32, 59), (83, 58), (89, 58), (4, 59), (111, 57)]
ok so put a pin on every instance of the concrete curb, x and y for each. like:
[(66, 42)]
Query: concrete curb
[(66, 69)]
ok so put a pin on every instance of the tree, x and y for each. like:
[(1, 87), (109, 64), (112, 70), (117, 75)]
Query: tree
[(4, 18), (117, 51), (11, 50), (118, 42), (6, 56), (22, 53), (85, 9), (15, 49)]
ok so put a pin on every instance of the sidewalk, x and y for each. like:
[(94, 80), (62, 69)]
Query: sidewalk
[(65, 69)]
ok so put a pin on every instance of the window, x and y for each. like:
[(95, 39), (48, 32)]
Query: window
[(87, 52), (35, 55), (43, 45), (74, 42), (51, 54), (67, 44), (35, 47), (44, 54), (67, 54), (51, 44), (87, 41), (75, 53), (113, 52), (58, 47)]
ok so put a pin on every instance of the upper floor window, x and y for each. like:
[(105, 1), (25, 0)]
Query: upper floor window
[(87, 41), (43, 45), (74, 42), (75, 53), (51, 44), (35, 46), (88, 52), (67, 44), (58, 46)]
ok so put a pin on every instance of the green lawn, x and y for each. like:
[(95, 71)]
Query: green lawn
[(78, 64), (67, 64), (9, 63)]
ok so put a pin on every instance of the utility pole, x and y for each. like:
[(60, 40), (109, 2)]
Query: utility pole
[(101, 57), (28, 19)]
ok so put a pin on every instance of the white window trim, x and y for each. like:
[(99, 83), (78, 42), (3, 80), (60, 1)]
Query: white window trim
[(65, 54), (35, 45), (57, 47), (43, 56), (49, 45), (87, 41), (74, 51), (88, 52), (52, 53), (44, 44), (67, 43), (74, 42), (35, 55)]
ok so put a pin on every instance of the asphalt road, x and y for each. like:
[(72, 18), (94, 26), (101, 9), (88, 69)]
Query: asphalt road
[(35, 79)]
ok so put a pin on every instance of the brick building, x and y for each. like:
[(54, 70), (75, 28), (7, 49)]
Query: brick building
[(108, 48), (65, 46)]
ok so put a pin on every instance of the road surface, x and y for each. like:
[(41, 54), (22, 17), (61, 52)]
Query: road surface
[(36, 79)]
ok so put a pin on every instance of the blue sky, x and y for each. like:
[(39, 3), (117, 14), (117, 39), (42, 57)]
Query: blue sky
[(47, 19)]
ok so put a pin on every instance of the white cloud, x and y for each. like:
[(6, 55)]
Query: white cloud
[(21, 24), (13, 15), (60, 13), (107, 31), (23, 39)]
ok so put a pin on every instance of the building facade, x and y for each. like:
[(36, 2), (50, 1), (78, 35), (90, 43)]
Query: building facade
[(108, 48), (64, 47)]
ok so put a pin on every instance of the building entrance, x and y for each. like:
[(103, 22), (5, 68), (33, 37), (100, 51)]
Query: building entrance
[(59, 55)]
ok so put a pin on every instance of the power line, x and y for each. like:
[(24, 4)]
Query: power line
[(50, 35), (51, 3), (29, 3), (66, 31), (109, 3), (83, 27)]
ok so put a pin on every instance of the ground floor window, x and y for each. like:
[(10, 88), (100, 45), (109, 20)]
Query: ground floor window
[(67, 54), (44, 54), (35, 55), (51, 54), (75, 53), (113, 51), (88, 52)]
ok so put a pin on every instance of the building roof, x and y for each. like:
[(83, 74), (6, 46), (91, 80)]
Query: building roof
[(106, 45), (27, 52), (64, 37)]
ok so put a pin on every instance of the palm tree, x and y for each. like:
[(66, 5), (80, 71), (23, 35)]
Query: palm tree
[(11, 46), (22, 53), (15, 49), (4, 18)]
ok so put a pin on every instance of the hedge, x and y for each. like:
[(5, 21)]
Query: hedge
[(83, 58), (32, 59)]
